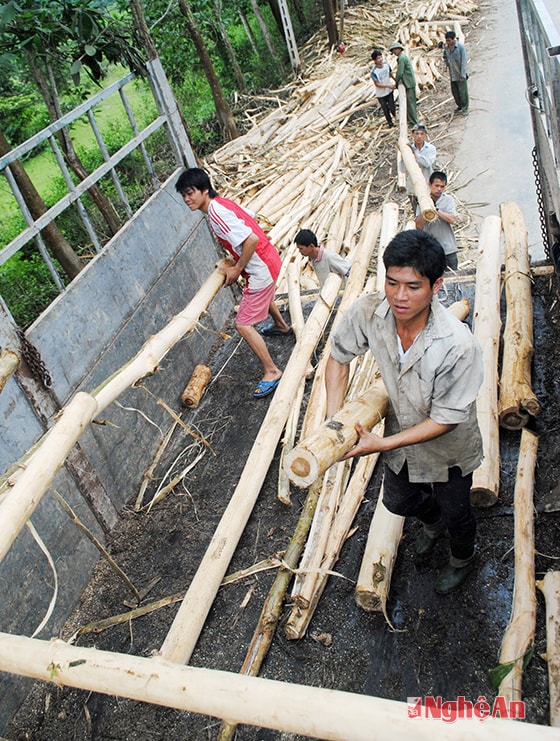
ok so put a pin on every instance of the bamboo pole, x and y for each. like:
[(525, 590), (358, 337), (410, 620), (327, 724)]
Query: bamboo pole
[(9, 363), (189, 621), (389, 228), (486, 329), (418, 181), (517, 400), (520, 633), (550, 587), (293, 708), (336, 436)]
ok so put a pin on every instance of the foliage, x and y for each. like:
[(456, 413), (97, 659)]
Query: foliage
[(27, 287)]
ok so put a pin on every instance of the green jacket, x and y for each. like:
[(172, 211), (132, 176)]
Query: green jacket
[(405, 73)]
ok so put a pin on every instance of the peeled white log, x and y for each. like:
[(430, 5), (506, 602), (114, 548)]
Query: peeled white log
[(419, 184), (486, 329), (374, 579), (517, 399), (189, 621), (389, 228), (9, 362), (336, 436), (293, 708), (19, 503), (520, 633), (550, 587)]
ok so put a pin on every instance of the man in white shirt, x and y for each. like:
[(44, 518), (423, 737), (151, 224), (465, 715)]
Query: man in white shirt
[(383, 80)]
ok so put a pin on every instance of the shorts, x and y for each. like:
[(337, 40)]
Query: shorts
[(254, 305)]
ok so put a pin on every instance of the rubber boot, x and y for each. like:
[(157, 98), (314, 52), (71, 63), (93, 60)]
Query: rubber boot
[(427, 537), (461, 563)]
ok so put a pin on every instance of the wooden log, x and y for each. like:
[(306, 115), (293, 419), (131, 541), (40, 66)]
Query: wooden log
[(147, 360), (189, 621), (419, 184), (336, 436), (9, 363), (517, 400), (550, 587), (520, 633), (389, 227), (486, 329), (196, 386), (374, 579), (20, 502), (292, 708)]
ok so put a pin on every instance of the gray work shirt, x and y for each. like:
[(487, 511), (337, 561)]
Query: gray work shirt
[(440, 379), (329, 262), (442, 230)]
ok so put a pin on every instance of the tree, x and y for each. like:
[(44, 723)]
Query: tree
[(51, 233), (330, 21), (59, 40), (222, 107)]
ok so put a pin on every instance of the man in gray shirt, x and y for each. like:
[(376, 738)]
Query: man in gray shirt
[(455, 59), (322, 261), (446, 215), (432, 368)]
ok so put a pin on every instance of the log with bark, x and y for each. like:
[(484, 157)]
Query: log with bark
[(196, 386), (517, 399), (520, 633), (9, 363)]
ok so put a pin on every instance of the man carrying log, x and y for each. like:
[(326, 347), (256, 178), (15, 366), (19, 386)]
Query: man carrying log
[(256, 259), (324, 262), (432, 369), (425, 155), (446, 214), (405, 74)]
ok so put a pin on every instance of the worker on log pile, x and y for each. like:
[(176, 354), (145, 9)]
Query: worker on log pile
[(432, 369), (324, 262), (382, 78), (256, 259), (405, 74), (455, 59), (446, 215)]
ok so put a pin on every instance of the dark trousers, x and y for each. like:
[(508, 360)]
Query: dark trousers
[(460, 92), (447, 501), (387, 103)]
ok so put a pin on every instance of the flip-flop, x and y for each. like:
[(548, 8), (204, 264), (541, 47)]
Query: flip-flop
[(272, 331), (265, 388)]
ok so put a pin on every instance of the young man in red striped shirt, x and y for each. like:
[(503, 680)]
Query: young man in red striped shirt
[(256, 259)]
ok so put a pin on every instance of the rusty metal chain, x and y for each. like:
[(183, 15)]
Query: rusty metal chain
[(540, 203), (33, 360)]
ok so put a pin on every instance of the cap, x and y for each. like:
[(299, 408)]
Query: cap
[(396, 45), (419, 127)]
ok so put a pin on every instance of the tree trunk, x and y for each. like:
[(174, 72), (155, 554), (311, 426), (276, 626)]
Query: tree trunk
[(330, 22), (266, 35), (275, 10), (222, 107), (248, 31), (49, 93), (51, 233), (230, 50), (142, 30)]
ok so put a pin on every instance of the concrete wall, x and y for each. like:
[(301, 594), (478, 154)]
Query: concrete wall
[(144, 276)]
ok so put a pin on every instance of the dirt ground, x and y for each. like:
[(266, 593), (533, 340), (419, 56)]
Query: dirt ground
[(438, 646)]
